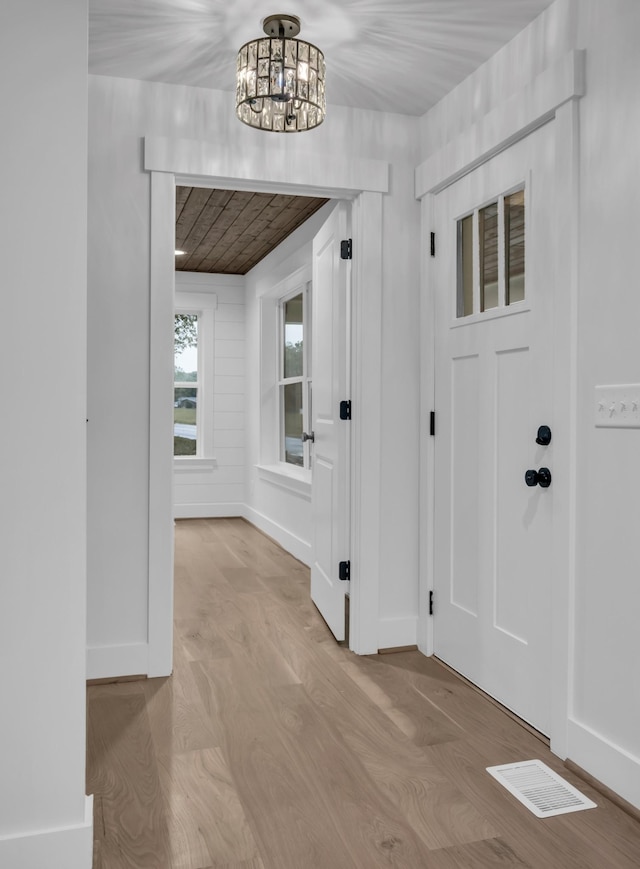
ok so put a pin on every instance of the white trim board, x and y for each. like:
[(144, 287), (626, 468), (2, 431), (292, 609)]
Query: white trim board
[(64, 847), (504, 125), (397, 632), (161, 379), (365, 180), (280, 476), (297, 547), (210, 511), (106, 662), (314, 171), (605, 761)]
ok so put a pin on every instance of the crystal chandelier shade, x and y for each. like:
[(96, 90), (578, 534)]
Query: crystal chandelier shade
[(280, 80)]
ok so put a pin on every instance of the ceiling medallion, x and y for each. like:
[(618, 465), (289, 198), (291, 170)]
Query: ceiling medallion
[(280, 79)]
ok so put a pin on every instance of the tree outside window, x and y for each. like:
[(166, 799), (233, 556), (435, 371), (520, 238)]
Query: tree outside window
[(185, 387), (295, 380)]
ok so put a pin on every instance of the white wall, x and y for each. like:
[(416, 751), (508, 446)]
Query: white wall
[(279, 505), (216, 487), (603, 735), (45, 819), (121, 113), (548, 38), (605, 731)]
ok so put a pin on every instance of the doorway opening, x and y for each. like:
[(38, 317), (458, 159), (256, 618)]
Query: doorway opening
[(293, 302), (363, 182)]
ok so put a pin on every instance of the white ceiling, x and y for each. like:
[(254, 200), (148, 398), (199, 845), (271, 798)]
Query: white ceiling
[(387, 55)]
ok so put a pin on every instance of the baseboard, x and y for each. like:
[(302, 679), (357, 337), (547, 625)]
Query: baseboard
[(396, 650), (300, 549), (609, 763), (396, 632), (106, 662), (208, 511), (64, 848)]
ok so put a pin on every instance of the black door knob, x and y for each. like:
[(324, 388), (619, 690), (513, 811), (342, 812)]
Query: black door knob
[(531, 478), (308, 437), (544, 478), (544, 436), (540, 478)]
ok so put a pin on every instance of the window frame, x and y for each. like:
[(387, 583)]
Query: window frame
[(203, 305), (192, 384), (504, 306), (303, 289)]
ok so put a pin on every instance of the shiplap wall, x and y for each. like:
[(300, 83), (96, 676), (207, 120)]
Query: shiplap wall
[(218, 490)]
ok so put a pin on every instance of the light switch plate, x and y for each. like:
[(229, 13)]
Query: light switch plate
[(617, 406)]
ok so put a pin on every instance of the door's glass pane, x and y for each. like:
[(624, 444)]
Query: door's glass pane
[(465, 266), (514, 246), (186, 347), (185, 405), (488, 230), (293, 451), (293, 337)]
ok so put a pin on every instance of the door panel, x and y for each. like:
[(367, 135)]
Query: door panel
[(464, 483), (494, 388), (513, 370), (330, 466)]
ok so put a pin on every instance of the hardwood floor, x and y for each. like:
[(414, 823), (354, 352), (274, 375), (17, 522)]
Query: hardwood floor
[(272, 747)]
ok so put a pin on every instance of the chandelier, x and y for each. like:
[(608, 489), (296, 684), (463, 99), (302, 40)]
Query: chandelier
[(280, 79)]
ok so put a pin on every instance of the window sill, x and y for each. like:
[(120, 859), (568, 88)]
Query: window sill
[(193, 464), (294, 479)]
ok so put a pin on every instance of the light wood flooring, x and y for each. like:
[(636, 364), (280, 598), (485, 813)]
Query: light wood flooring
[(272, 747)]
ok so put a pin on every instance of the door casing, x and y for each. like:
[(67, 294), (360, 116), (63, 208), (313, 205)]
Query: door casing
[(494, 384), (204, 164), (553, 95)]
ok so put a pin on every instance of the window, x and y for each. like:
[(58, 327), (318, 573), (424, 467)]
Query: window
[(514, 246), (491, 256), (185, 386), (294, 378)]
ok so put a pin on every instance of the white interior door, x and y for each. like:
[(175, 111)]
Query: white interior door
[(493, 389), (330, 449)]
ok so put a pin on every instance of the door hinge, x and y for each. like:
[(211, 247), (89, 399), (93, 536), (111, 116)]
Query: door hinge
[(345, 410), (344, 571), (346, 249), (432, 423), (430, 603), (433, 244)]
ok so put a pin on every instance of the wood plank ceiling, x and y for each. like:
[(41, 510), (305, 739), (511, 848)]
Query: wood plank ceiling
[(229, 231)]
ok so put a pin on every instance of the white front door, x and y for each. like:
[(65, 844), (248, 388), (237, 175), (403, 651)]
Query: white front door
[(493, 390), (330, 449)]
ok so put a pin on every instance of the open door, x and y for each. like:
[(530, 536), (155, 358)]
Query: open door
[(330, 447)]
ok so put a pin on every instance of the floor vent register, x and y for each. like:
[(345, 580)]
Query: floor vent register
[(540, 789)]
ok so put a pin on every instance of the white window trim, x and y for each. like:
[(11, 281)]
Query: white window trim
[(204, 305), (270, 455), (502, 309), (289, 477), (303, 289)]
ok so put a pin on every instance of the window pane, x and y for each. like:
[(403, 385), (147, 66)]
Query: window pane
[(293, 451), (293, 337), (465, 266), (186, 347), (488, 229), (184, 420), (514, 246)]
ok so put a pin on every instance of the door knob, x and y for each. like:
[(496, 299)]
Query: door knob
[(544, 436), (308, 437), (540, 478)]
